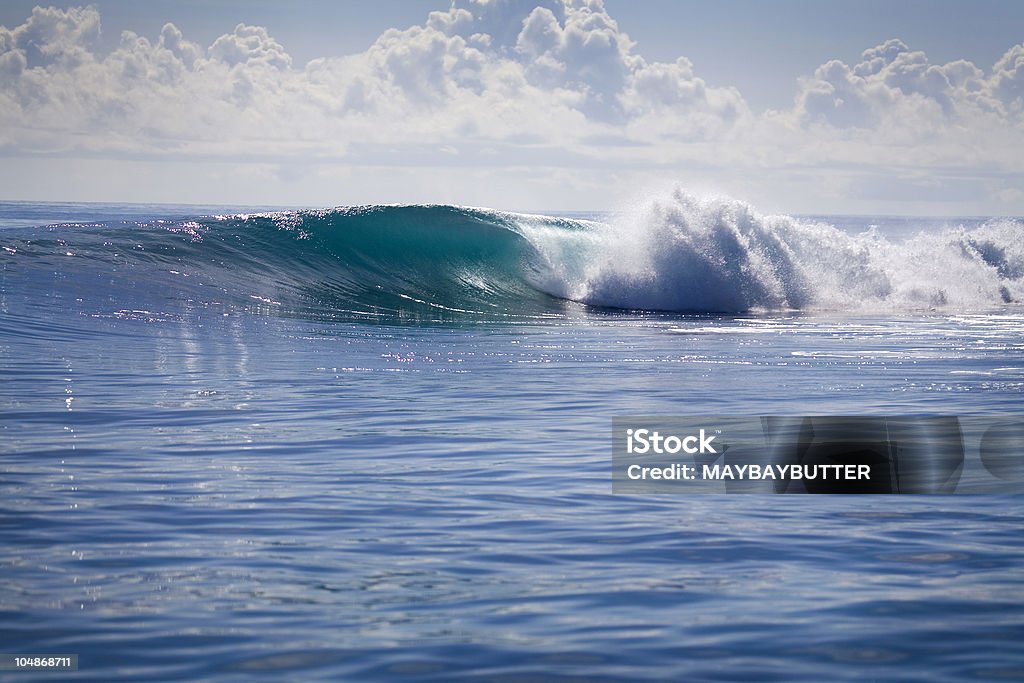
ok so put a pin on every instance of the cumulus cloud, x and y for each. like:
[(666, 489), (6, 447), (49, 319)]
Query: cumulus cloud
[(892, 81), (51, 35), (526, 83), (501, 69), (901, 121), (249, 45), (1007, 81)]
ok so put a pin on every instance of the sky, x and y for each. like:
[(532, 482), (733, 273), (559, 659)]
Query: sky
[(900, 108)]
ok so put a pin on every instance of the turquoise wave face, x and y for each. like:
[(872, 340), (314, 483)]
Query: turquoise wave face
[(385, 263), (432, 261)]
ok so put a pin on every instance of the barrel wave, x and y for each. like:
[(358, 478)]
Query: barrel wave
[(673, 252)]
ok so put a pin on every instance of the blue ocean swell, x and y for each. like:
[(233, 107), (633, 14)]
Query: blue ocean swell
[(411, 263)]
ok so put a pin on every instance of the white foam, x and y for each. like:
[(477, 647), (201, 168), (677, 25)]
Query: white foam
[(682, 252)]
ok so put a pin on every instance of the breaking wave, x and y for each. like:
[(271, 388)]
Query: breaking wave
[(686, 253), (675, 252)]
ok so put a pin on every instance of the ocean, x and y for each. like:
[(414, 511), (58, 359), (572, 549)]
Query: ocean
[(374, 443)]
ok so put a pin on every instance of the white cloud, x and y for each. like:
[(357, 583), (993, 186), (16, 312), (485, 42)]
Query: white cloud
[(524, 84), (250, 45), (53, 36), (934, 132), (892, 82), (1007, 81), (551, 72)]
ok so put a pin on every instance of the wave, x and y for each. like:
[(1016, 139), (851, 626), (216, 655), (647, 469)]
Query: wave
[(686, 253), (675, 252)]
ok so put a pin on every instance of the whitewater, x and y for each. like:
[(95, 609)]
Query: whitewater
[(374, 442), (688, 253)]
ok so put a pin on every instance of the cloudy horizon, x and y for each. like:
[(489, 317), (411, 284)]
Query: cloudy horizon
[(526, 105)]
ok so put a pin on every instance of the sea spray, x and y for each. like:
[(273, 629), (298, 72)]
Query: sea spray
[(687, 253)]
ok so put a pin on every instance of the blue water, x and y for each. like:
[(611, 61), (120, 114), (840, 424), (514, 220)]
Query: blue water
[(374, 444)]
